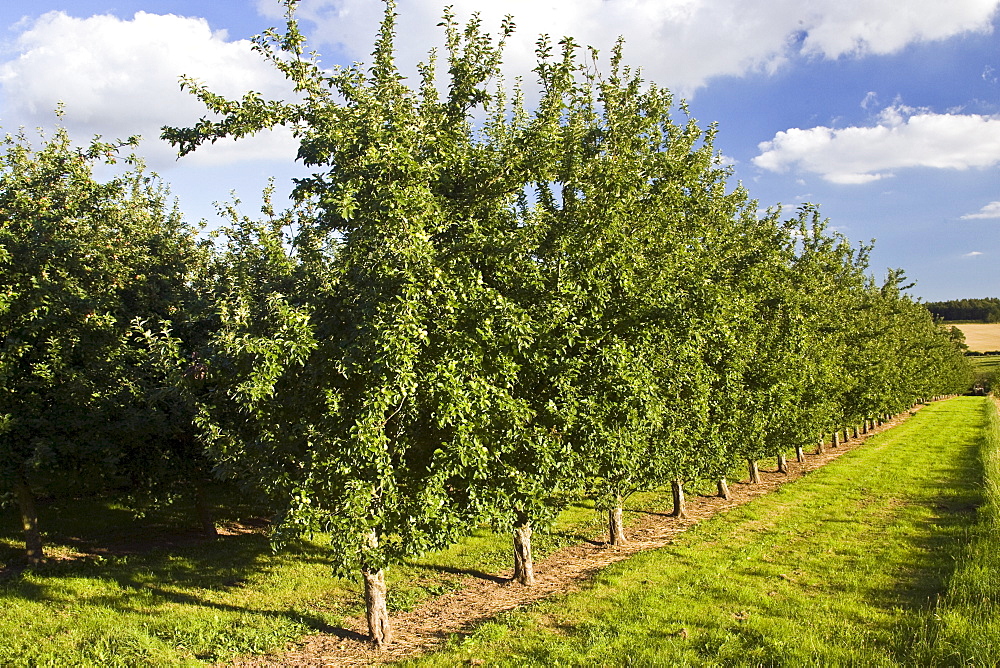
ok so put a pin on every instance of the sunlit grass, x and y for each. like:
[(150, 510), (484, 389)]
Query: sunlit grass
[(201, 600), (844, 567), (201, 603), (965, 629)]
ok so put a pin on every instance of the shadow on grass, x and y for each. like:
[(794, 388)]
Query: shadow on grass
[(144, 583), (146, 563)]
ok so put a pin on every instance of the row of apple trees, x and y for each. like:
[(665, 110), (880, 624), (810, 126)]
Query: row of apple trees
[(477, 309)]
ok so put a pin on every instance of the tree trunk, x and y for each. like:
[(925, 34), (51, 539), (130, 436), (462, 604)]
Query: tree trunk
[(820, 446), (800, 456), (754, 471), (724, 488), (204, 512), (836, 439), (854, 431), (782, 463), (680, 508), (376, 609), (29, 520), (524, 567), (616, 527)]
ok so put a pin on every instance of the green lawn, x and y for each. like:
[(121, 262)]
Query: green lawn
[(852, 565), (206, 601), (843, 567)]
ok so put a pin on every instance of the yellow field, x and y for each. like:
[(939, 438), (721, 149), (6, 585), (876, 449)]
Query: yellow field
[(981, 338)]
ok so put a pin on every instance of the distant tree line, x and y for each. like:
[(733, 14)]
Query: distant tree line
[(475, 312), (981, 310)]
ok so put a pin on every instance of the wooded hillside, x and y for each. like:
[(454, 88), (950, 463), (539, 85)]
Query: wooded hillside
[(985, 310)]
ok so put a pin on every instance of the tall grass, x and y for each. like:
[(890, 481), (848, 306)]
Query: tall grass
[(965, 629)]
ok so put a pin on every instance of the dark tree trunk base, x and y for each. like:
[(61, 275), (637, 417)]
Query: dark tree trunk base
[(754, 471), (800, 456), (29, 521), (820, 447), (204, 512), (782, 464), (724, 489), (835, 443)]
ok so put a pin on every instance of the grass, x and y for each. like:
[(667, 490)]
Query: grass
[(965, 628), (847, 563), (878, 559), (166, 607), (985, 363), (181, 600)]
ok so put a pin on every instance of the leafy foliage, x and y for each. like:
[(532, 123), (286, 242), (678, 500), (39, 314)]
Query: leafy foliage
[(475, 312), (79, 260)]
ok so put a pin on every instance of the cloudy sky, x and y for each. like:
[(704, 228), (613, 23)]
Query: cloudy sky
[(885, 113)]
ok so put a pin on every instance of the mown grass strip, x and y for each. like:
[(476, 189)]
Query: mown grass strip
[(965, 629), (844, 567)]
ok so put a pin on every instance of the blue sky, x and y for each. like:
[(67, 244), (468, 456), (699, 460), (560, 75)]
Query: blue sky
[(885, 113)]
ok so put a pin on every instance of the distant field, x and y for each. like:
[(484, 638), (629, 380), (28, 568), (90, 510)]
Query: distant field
[(980, 337)]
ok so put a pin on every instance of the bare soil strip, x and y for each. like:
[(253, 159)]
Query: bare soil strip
[(430, 624)]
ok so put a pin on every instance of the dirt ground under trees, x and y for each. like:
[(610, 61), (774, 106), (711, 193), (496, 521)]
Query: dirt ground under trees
[(430, 624)]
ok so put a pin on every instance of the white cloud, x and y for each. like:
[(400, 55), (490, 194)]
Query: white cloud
[(902, 138), (885, 26), (120, 77), (991, 210), (972, 254), (679, 43)]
